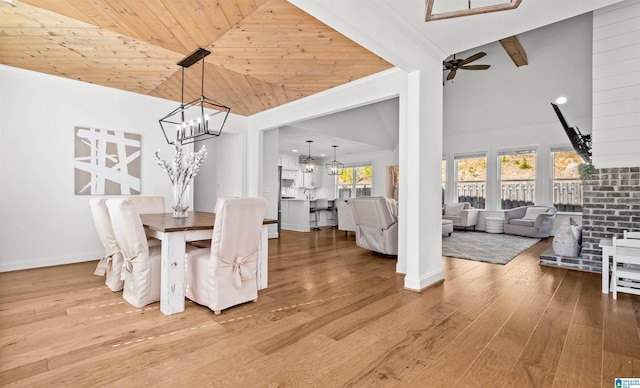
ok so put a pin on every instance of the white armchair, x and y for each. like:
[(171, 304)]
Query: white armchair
[(461, 214), (376, 226), (530, 221), (225, 274), (345, 216)]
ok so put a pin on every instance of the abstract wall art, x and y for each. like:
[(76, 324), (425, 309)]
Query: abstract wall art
[(106, 162)]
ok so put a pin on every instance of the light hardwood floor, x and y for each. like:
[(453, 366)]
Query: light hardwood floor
[(333, 315)]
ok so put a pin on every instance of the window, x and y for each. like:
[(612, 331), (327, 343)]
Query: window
[(444, 177), (355, 181), (567, 186), (471, 179), (517, 178)]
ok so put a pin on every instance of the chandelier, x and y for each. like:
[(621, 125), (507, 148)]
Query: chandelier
[(335, 167), (199, 119), (308, 164)]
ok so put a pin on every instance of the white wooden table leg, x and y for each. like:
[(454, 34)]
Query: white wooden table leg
[(606, 253), (263, 258), (172, 276)]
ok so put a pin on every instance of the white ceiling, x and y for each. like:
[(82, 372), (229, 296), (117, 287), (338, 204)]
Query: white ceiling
[(370, 128), (402, 37)]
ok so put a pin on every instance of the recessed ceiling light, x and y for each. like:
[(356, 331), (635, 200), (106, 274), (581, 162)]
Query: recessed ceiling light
[(294, 150), (561, 100), (323, 154)]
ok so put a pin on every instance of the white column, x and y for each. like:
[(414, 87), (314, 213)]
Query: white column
[(420, 189), (253, 157)]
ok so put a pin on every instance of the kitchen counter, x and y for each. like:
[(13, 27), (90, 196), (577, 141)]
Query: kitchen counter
[(296, 214)]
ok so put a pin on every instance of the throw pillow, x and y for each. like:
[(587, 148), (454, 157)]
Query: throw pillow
[(533, 212), (566, 242)]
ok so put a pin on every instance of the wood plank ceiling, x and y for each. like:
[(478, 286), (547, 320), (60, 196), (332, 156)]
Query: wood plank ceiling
[(264, 53)]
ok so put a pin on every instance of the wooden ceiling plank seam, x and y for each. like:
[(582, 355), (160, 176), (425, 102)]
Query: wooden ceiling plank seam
[(157, 30), (183, 41), (103, 16), (145, 28), (230, 90), (210, 18), (232, 13), (188, 25)]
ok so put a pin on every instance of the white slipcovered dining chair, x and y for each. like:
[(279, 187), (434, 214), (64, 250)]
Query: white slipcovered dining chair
[(111, 264), (149, 205), (141, 267), (625, 274), (224, 275)]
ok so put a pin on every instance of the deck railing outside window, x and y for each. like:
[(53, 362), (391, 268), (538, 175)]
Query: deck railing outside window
[(473, 192), (567, 195)]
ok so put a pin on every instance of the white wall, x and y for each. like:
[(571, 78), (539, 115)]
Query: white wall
[(269, 177), (42, 221), (616, 85), (506, 107)]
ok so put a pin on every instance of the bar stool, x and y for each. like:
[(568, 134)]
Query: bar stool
[(321, 204)]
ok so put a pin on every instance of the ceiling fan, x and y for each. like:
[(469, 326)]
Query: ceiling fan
[(454, 64)]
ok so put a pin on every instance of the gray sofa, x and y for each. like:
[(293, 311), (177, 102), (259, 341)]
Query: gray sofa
[(530, 221)]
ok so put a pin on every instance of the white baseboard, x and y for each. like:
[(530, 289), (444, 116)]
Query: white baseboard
[(51, 261), (424, 281)]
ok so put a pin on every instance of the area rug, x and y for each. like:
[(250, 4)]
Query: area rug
[(485, 247)]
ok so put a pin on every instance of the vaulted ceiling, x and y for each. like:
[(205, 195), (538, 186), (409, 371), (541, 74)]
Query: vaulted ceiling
[(264, 53)]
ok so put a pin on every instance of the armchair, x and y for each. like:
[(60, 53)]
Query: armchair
[(462, 215), (530, 221), (376, 226), (345, 216)]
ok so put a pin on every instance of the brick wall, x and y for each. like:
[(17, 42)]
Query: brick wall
[(611, 205)]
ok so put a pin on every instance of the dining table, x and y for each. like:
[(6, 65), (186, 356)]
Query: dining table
[(175, 233)]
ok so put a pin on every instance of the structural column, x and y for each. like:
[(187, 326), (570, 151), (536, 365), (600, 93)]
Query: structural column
[(420, 183)]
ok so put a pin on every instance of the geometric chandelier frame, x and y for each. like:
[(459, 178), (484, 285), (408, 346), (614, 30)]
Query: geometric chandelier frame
[(196, 120)]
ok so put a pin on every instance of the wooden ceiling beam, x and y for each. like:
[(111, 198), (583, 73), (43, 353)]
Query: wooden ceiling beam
[(515, 50)]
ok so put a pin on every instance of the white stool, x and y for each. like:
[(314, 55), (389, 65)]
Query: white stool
[(494, 225)]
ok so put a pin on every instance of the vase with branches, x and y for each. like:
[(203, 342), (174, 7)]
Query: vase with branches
[(181, 172)]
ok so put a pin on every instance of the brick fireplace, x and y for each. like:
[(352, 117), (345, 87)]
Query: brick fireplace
[(611, 205)]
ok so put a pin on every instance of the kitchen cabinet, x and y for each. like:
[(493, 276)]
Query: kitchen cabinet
[(289, 162), (312, 179), (290, 174)]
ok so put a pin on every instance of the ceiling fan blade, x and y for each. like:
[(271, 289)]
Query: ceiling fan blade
[(447, 64), (476, 67), (452, 74), (472, 58)]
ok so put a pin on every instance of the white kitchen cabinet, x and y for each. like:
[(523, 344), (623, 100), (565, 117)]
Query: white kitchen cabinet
[(289, 162), (290, 174), (312, 179)]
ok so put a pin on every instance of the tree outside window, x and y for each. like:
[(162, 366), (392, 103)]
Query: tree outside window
[(567, 185), (471, 180), (517, 178), (355, 182)]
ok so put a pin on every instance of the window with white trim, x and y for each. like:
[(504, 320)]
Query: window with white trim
[(471, 179), (567, 185), (355, 181), (517, 178)]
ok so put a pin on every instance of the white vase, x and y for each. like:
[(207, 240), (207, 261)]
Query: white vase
[(180, 202)]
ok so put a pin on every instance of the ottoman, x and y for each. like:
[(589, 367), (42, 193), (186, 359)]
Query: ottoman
[(494, 225), (447, 227)]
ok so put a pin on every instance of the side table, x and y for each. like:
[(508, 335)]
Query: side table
[(494, 225)]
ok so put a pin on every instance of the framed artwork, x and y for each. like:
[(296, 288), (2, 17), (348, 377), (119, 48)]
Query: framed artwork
[(106, 162), (392, 182)]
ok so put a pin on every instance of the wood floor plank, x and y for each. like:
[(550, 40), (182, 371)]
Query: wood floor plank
[(494, 363), (537, 364), (580, 364), (620, 327), (333, 315)]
